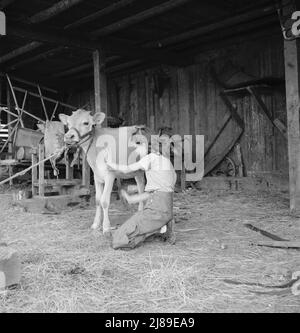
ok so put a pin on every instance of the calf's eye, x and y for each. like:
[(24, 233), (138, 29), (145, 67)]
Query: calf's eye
[(86, 124)]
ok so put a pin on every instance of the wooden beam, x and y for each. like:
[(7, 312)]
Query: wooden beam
[(49, 36), (6, 3), (74, 70), (110, 70), (113, 45), (100, 83), (32, 84), (38, 57), (118, 46), (105, 11), (230, 21), (292, 68), (20, 51), (38, 18), (122, 66), (266, 111), (125, 49), (280, 244), (34, 173), (292, 71), (139, 17), (41, 170), (9, 119), (52, 11), (84, 67)]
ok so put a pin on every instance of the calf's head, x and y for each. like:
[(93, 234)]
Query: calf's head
[(79, 124)]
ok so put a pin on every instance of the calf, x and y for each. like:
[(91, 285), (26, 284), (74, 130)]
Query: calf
[(100, 145)]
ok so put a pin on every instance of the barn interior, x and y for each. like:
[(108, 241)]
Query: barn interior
[(227, 70), (163, 64)]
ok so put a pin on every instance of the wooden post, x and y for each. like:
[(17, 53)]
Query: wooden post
[(41, 171), (292, 64), (34, 173), (69, 171), (100, 83), (10, 145)]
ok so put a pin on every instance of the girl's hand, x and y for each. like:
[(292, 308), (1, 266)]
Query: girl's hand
[(112, 166)]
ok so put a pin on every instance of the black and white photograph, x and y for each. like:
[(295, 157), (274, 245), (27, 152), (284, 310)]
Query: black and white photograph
[(150, 159)]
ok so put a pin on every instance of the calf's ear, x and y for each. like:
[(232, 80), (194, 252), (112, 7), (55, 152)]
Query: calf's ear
[(63, 118), (99, 118)]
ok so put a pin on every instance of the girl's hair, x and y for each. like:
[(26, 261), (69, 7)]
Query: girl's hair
[(156, 144)]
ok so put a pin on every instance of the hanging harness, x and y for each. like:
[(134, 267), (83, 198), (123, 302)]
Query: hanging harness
[(82, 139)]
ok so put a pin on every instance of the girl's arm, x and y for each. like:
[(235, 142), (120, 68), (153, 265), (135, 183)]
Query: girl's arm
[(142, 164), (136, 198), (124, 168)]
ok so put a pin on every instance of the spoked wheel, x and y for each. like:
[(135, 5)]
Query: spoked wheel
[(226, 168), (17, 113)]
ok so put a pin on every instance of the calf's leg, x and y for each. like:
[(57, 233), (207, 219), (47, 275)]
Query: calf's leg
[(105, 202), (99, 191)]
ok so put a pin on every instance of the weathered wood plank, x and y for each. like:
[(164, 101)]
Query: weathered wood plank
[(6, 3), (52, 11), (100, 83), (280, 244), (292, 63), (20, 51), (221, 24), (102, 12), (34, 174), (139, 17), (41, 171)]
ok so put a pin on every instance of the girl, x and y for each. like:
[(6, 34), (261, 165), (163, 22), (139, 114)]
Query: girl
[(157, 217)]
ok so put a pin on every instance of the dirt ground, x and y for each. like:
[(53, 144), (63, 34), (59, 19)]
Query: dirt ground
[(67, 267)]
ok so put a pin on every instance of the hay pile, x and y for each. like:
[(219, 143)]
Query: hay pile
[(69, 268)]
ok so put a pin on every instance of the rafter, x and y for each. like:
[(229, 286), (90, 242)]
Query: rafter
[(40, 56), (80, 68), (115, 46), (5, 3), (231, 21), (63, 5), (41, 16), (139, 17), (32, 84), (21, 50), (112, 69), (105, 11), (48, 36), (52, 11), (74, 70)]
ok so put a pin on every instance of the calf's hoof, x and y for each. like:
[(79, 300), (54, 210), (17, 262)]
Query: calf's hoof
[(95, 226), (107, 234)]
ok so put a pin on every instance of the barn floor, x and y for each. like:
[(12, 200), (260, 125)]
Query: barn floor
[(69, 268)]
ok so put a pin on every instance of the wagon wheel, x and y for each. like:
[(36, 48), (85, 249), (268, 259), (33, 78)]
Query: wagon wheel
[(18, 115), (226, 168), (15, 124)]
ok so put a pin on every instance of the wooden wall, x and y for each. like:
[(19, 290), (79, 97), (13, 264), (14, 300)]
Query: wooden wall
[(188, 100)]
